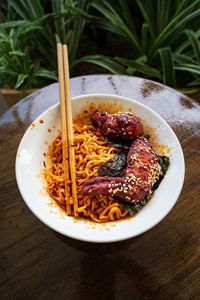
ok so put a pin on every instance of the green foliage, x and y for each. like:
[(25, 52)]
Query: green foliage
[(28, 40), (64, 23), (166, 33), (163, 36), (16, 67), (167, 66), (104, 62)]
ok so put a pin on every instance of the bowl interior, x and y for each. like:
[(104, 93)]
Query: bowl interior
[(30, 162)]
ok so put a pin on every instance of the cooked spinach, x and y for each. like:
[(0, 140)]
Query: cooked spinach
[(114, 167), (146, 136), (125, 145), (164, 162), (119, 144), (135, 208)]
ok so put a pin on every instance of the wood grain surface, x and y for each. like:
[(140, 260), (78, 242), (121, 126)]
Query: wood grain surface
[(163, 263)]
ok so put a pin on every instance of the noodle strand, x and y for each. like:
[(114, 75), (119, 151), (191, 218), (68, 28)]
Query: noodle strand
[(91, 151)]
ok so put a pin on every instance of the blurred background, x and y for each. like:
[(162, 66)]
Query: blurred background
[(154, 39)]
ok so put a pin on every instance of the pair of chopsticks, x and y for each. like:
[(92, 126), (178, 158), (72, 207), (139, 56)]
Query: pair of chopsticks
[(67, 131)]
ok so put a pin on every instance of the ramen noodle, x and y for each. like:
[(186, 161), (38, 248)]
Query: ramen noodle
[(91, 151)]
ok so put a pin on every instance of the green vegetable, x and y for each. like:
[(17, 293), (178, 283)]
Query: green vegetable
[(146, 136), (124, 145), (164, 162), (113, 167), (135, 208), (119, 144)]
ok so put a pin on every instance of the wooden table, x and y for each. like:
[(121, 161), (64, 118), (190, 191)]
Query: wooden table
[(163, 263)]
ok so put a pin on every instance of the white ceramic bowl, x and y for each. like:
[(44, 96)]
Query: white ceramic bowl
[(29, 163)]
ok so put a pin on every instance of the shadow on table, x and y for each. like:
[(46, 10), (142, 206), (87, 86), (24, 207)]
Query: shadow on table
[(97, 248), (110, 271)]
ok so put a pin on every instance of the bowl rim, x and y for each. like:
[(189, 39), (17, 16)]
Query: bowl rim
[(78, 236)]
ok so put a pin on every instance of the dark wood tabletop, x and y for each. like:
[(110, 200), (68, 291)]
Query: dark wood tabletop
[(163, 263)]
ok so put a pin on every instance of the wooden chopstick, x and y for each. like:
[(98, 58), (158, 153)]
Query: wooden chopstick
[(70, 130), (64, 127)]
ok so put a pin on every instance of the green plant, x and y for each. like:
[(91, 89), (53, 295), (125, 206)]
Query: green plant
[(164, 40), (70, 21), (16, 67), (163, 35), (28, 40), (59, 21)]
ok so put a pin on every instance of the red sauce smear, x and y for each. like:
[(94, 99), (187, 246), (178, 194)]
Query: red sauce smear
[(32, 125), (41, 121), (49, 130)]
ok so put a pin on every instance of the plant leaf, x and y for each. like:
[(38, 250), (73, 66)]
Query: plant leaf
[(167, 66), (195, 43), (164, 8), (180, 6), (20, 80), (182, 59), (146, 18), (189, 91), (194, 83), (140, 67), (140, 59), (145, 29), (58, 7), (194, 69), (26, 31), (32, 11), (183, 46), (118, 22), (11, 24), (17, 52), (106, 25), (78, 26), (127, 15), (176, 23), (47, 74), (8, 71), (103, 61)]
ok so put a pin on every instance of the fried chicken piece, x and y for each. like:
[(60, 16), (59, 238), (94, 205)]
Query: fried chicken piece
[(142, 171), (124, 126)]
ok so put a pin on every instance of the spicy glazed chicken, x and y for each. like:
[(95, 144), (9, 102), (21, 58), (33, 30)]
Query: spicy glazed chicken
[(124, 126), (142, 171)]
